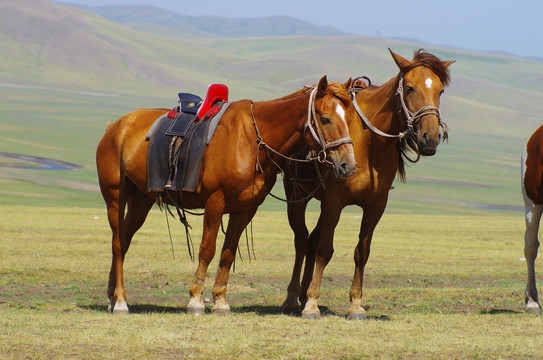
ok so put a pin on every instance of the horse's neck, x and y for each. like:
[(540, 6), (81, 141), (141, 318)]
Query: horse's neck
[(280, 123), (380, 105)]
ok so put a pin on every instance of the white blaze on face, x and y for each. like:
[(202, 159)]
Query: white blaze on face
[(340, 112), (428, 83)]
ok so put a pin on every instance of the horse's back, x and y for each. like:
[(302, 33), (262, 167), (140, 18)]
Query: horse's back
[(532, 167)]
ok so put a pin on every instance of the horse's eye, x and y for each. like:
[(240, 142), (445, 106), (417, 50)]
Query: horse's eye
[(410, 89), (325, 120)]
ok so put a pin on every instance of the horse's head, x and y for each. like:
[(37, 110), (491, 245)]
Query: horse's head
[(421, 83), (331, 110)]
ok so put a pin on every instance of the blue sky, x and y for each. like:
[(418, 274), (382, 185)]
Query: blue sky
[(512, 26)]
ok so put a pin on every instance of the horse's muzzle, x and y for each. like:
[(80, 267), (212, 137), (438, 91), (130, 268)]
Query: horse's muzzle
[(344, 163), (428, 145), (426, 151), (343, 171)]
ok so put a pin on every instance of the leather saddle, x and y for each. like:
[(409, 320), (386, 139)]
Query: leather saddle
[(178, 139)]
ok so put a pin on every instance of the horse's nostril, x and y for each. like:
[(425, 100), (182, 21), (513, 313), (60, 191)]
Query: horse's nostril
[(343, 171), (425, 137)]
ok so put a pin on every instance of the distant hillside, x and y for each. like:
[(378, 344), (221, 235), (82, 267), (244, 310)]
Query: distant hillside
[(66, 72), (48, 44), (51, 44), (167, 23)]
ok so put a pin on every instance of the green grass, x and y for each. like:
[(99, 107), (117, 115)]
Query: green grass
[(437, 287)]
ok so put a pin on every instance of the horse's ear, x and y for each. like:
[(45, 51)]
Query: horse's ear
[(400, 61), (448, 63), (347, 85), (321, 87)]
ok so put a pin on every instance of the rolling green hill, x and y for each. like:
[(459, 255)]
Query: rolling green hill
[(65, 73)]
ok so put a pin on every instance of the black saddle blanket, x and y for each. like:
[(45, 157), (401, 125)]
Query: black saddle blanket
[(176, 149)]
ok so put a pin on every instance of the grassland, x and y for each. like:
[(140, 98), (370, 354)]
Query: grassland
[(444, 281), (437, 287)]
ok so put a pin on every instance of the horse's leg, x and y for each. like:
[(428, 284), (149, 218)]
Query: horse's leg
[(213, 213), (372, 215), (531, 245), (115, 198), (296, 219), (236, 224), (138, 207), (313, 243), (123, 228), (330, 212)]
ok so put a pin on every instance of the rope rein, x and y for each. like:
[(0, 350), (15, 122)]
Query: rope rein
[(317, 136), (316, 133)]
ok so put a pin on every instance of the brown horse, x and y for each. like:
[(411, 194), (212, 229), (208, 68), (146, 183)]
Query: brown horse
[(404, 115), (238, 170), (532, 191)]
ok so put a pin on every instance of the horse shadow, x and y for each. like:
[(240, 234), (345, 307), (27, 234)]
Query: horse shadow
[(140, 309), (259, 310), (499, 311)]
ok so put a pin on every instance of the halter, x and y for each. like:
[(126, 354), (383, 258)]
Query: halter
[(309, 124), (411, 117)]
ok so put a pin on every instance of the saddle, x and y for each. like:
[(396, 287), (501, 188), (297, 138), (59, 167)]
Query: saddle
[(177, 140)]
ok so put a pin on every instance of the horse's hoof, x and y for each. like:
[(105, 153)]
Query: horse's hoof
[(118, 308), (357, 315), (311, 315), (196, 310), (532, 307), (221, 310), (534, 310), (290, 307)]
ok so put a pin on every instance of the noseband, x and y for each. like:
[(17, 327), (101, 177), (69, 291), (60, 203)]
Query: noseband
[(411, 117), (311, 125)]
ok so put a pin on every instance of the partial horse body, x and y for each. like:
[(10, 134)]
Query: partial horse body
[(532, 192), (238, 171), (404, 114)]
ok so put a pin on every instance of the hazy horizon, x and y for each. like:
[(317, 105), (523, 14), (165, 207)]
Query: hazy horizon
[(513, 27)]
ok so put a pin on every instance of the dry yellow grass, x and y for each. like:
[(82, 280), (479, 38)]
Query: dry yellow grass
[(438, 287)]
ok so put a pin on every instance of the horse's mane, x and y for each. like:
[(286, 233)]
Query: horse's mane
[(432, 62), (340, 92)]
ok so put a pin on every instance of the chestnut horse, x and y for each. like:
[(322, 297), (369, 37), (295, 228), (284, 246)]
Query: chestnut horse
[(532, 191), (238, 170), (404, 115)]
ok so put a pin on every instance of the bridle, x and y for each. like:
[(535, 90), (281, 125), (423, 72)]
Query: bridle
[(316, 133), (410, 116)]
